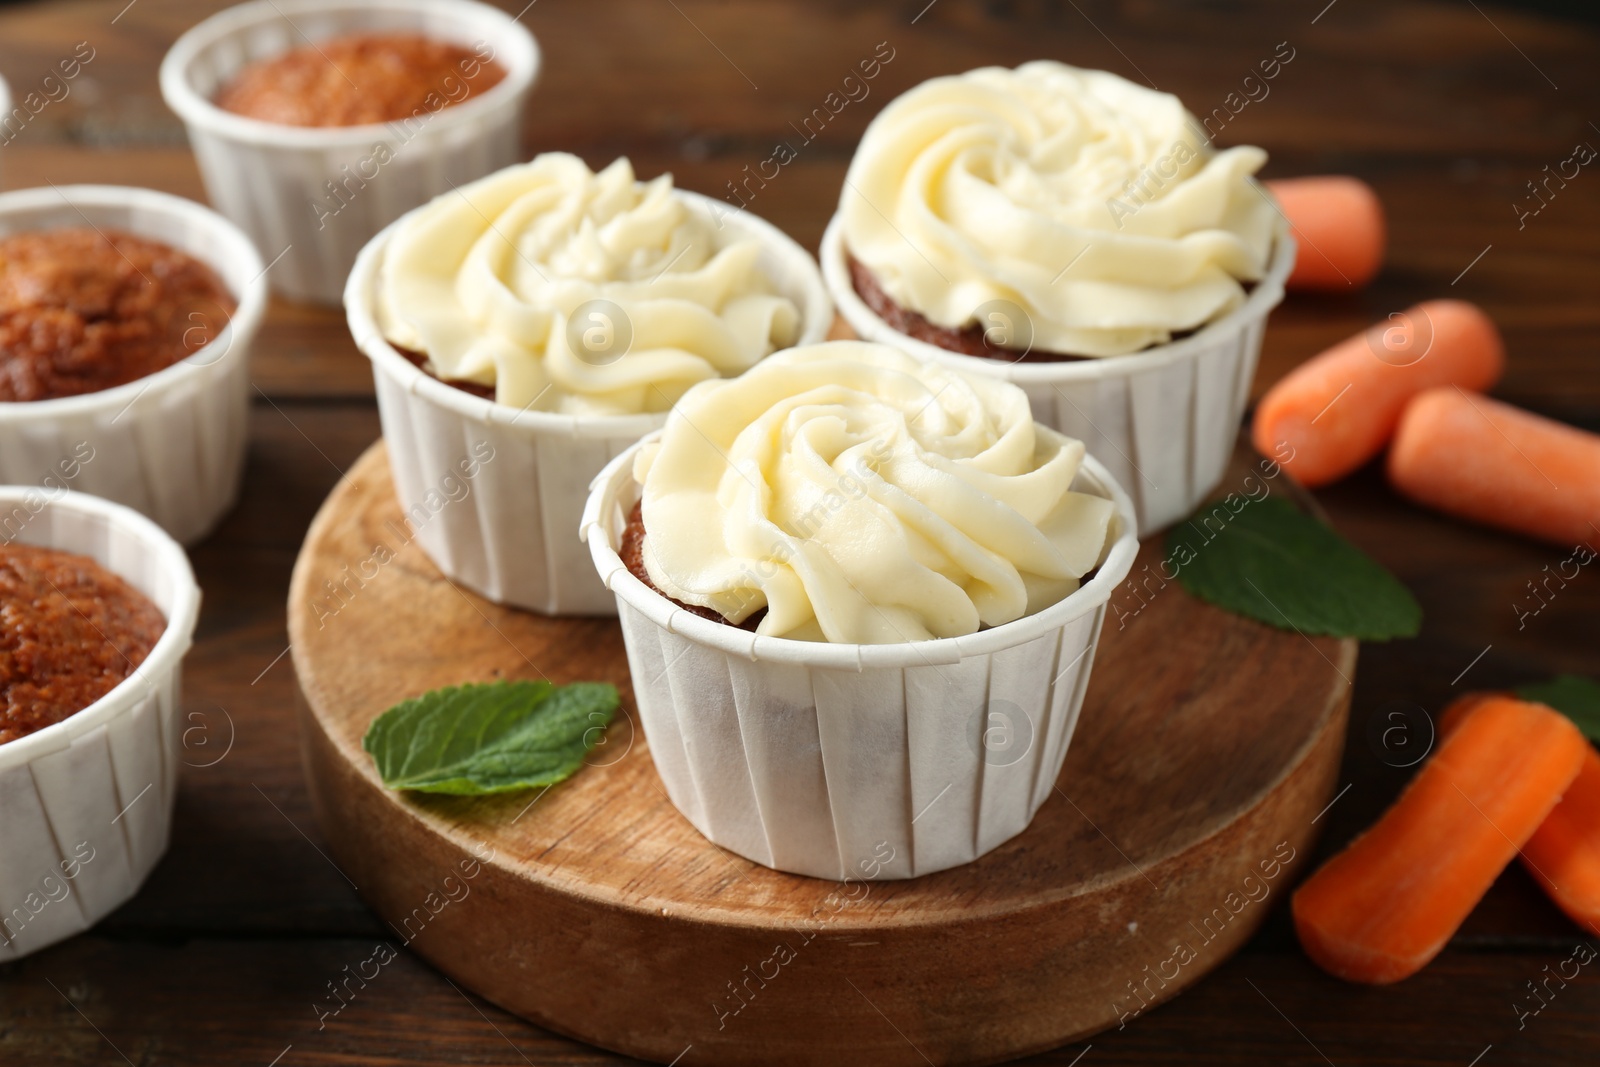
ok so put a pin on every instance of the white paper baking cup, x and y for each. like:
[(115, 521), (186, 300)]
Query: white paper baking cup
[(91, 796), (272, 179), (512, 533), (863, 761), (1163, 421), (172, 444)]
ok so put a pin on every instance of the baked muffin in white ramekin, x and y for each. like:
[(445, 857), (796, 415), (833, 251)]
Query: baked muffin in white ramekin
[(86, 801), (170, 443), (312, 196)]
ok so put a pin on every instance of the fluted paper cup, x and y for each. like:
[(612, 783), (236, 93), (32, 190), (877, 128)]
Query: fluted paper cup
[(86, 803), (315, 196), (855, 761), (509, 530), (1163, 421), (171, 444)]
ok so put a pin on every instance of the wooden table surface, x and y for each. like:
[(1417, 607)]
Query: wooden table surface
[(1446, 108)]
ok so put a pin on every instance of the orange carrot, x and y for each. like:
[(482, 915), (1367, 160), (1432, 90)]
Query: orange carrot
[(1381, 909), (1490, 462), (1457, 710), (1337, 410), (1338, 224), (1563, 855)]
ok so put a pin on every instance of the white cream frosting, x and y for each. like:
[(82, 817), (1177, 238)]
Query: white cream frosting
[(862, 496), (1093, 204), (485, 281)]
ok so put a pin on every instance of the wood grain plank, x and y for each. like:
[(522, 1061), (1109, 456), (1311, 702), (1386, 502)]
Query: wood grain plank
[(236, 862), (1423, 77), (208, 1000)]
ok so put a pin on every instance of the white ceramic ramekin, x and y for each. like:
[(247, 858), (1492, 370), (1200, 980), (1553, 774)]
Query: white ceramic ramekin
[(316, 196), (86, 804), (839, 761), (170, 445), (513, 535), (1163, 421)]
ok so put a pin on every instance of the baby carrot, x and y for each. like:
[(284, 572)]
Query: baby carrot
[(1490, 462), (1338, 225), (1458, 708), (1381, 909), (1563, 855), (1337, 410)]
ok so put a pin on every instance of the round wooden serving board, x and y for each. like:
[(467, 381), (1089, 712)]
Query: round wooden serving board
[(1207, 745)]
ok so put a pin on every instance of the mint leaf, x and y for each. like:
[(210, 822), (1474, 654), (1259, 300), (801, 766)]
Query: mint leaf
[(489, 738), (1576, 697), (1267, 560)]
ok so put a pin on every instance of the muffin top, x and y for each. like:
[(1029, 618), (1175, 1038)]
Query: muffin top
[(571, 291), (70, 632), (862, 496), (83, 310), (1096, 206), (359, 79)]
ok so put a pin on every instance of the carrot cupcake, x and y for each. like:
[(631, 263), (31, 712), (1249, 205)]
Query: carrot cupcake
[(858, 563), (97, 611), (1078, 235), (316, 122), (539, 321), (127, 318)]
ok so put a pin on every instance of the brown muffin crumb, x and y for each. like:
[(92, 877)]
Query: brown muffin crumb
[(969, 340), (420, 361), (70, 632), (82, 310), (632, 553), (361, 79)]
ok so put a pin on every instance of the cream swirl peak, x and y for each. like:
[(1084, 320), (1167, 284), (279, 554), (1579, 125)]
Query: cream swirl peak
[(1093, 204), (577, 292), (861, 496)]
